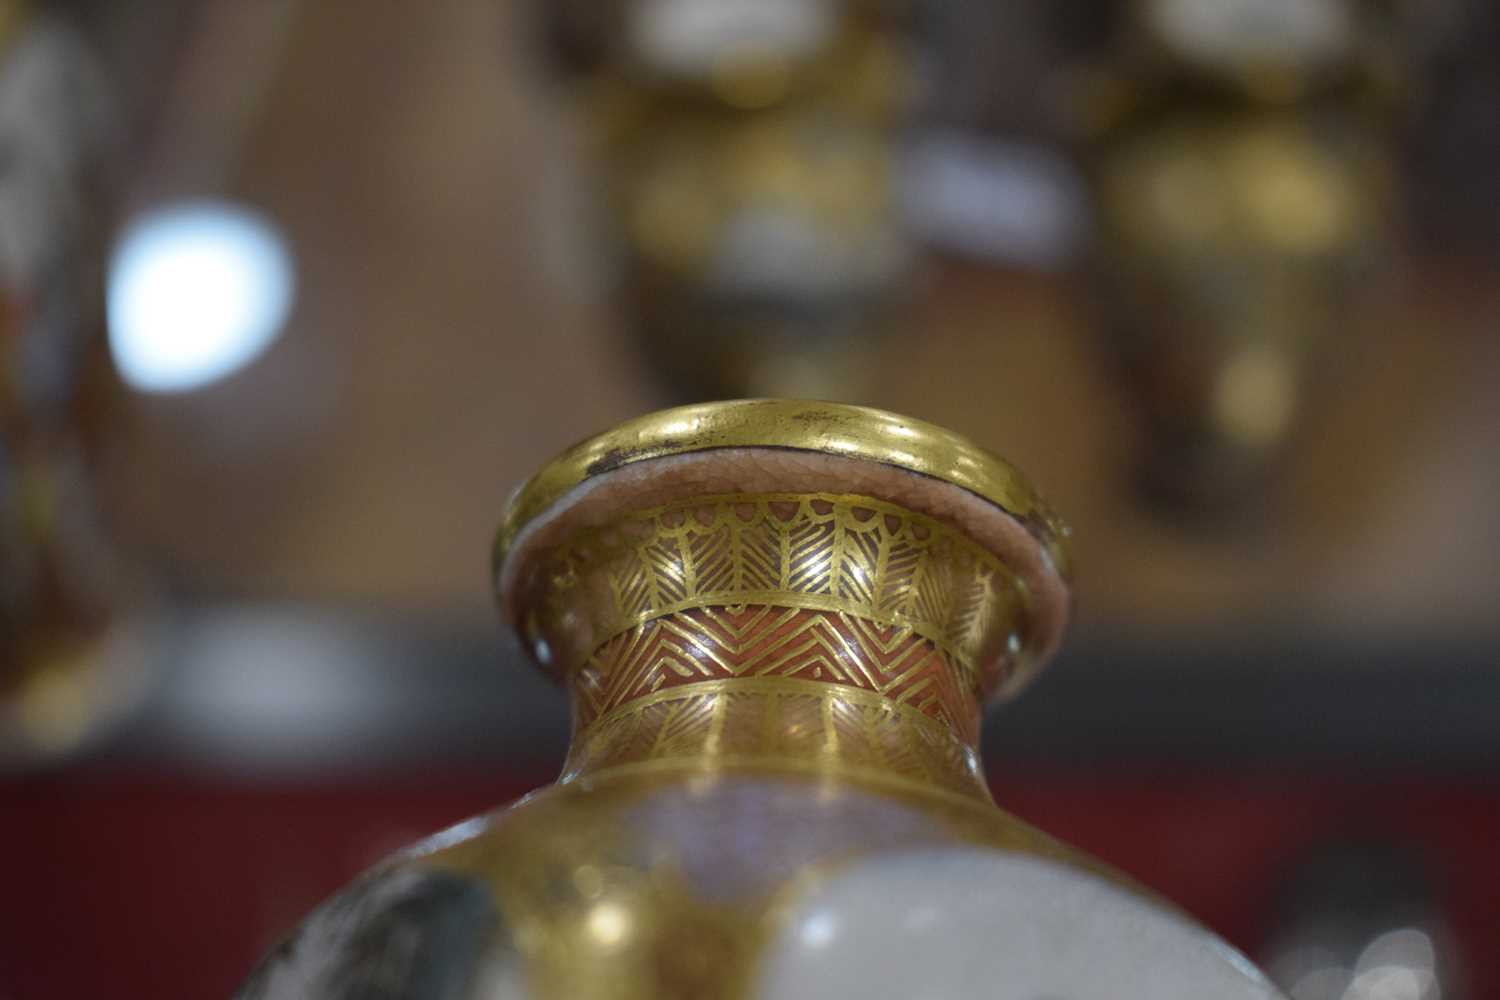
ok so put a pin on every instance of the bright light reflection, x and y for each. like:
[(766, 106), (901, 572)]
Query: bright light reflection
[(818, 930), (608, 923), (455, 834), (196, 291)]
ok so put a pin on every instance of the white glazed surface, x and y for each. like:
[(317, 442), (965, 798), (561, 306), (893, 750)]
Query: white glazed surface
[(956, 924)]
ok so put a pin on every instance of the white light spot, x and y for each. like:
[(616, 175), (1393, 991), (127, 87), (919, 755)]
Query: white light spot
[(444, 839), (608, 923), (818, 930), (196, 291), (687, 37)]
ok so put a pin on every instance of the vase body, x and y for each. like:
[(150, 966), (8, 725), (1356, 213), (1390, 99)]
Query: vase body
[(773, 788)]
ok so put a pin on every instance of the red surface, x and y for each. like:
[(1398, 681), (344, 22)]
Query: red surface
[(125, 887)]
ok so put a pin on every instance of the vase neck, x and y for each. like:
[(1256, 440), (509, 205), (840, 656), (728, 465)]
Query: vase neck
[(802, 631), (785, 688)]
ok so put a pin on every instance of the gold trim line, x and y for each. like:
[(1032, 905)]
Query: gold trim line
[(765, 685), (854, 432)]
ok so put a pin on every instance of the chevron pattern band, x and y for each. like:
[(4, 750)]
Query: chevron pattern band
[(765, 641), (900, 589)]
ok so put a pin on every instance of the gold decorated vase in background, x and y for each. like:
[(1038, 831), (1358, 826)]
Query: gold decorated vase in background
[(1241, 177), (778, 624), (746, 154)]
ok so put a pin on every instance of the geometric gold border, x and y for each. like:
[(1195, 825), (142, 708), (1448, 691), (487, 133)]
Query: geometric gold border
[(824, 727), (760, 642), (825, 552)]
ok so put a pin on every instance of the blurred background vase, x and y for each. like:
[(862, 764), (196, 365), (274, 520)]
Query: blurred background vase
[(747, 157), (1242, 171), (777, 622), (71, 644)]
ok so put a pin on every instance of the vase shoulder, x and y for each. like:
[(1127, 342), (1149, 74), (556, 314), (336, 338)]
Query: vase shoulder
[(747, 883)]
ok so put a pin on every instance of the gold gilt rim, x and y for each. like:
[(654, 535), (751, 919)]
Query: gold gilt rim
[(856, 432)]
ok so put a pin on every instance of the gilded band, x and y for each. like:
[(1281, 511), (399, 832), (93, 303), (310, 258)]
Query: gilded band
[(827, 726), (840, 554), (854, 432)]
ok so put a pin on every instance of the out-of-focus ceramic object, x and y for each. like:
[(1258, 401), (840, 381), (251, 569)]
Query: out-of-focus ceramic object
[(746, 155), (1241, 175), (1230, 247), (1364, 916), (70, 659), (778, 623)]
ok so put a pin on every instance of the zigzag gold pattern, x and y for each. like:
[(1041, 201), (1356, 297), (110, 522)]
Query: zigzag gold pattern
[(767, 641), (829, 728), (855, 556)]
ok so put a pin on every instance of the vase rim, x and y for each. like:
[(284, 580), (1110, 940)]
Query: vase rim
[(748, 449), (839, 429)]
